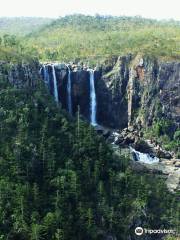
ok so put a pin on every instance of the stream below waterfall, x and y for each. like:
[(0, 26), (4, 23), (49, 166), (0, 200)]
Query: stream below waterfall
[(143, 157)]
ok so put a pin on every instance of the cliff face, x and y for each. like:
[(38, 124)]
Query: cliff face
[(129, 90), (111, 92), (80, 87), (21, 75), (110, 86), (138, 91), (153, 91)]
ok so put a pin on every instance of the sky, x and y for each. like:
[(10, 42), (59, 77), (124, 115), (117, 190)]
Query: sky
[(158, 9)]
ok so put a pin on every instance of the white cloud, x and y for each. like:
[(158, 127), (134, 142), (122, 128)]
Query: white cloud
[(160, 9)]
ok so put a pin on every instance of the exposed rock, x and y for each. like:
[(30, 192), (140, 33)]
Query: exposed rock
[(138, 91), (144, 147), (112, 108), (163, 154), (130, 91), (169, 171), (177, 163), (21, 75), (158, 89), (132, 136), (173, 181)]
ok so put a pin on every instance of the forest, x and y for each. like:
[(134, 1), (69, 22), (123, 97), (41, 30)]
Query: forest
[(79, 37)]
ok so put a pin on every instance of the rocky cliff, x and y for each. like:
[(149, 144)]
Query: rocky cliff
[(154, 91), (129, 90), (21, 75), (138, 91)]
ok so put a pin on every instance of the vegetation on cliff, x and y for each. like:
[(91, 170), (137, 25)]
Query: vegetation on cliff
[(165, 133)]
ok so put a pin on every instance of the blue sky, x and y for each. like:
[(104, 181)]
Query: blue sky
[(159, 9)]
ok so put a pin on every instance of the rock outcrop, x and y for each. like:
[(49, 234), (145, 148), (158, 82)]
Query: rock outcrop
[(155, 93), (21, 75), (130, 91), (168, 170), (138, 91), (112, 96), (168, 165)]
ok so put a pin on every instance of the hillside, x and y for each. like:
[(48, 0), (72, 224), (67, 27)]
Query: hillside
[(21, 25), (60, 180), (85, 37)]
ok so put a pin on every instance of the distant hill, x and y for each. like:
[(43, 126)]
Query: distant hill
[(86, 37), (21, 25), (95, 38)]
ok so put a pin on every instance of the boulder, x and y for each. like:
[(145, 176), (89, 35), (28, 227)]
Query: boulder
[(163, 154), (142, 146)]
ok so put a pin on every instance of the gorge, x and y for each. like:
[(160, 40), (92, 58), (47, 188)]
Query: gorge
[(123, 93)]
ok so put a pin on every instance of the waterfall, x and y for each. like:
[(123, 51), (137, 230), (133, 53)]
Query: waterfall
[(55, 84), (92, 98), (45, 75), (69, 99), (143, 157)]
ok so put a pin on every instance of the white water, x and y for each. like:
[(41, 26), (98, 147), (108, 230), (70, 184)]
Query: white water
[(92, 98), (69, 91), (55, 84), (46, 75), (144, 157)]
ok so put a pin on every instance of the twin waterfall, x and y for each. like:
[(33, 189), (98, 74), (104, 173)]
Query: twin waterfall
[(48, 72)]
